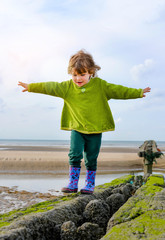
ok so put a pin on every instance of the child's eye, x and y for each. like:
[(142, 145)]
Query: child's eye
[(83, 74)]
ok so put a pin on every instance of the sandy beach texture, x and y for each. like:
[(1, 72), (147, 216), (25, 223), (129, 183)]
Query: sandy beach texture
[(26, 159)]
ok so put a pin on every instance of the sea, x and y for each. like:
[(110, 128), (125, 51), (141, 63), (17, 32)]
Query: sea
[(65, 143)]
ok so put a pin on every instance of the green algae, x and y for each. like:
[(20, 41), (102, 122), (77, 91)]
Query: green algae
[(7, 218), (150, 225), (141, 201), (138, 218), (154, 184), (130, 211), (116, 182)]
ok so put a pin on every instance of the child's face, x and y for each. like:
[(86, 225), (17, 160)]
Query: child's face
[(81, 79)]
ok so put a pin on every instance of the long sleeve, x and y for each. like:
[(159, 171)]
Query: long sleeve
[(114, 91), (50, 88), (86, 108)]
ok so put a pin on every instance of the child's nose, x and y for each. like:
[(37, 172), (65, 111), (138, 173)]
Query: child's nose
[(78, 77)]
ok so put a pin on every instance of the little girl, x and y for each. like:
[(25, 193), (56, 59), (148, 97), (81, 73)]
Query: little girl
[(86, 113)]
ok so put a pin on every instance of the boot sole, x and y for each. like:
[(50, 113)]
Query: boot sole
[(67, 190), (86, 192)]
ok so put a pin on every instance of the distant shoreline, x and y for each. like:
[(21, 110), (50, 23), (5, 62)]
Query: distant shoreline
[(65, 149)]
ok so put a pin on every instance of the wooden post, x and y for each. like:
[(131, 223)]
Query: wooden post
[(147, 169), (149, 151)]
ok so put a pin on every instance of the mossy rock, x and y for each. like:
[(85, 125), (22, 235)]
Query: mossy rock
[(58, 210), (7, 218), (150, 226), (116, 182), (142, 216)]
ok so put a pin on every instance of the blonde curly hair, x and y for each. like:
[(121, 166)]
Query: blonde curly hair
[(82, 62)]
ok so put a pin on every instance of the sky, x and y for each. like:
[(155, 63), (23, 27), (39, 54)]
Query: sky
[(125, 37)]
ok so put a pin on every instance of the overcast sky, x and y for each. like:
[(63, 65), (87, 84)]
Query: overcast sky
[(125, 37)]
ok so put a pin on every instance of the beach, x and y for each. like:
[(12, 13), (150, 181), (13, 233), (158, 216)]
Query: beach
[(45, 159), (31, 174)]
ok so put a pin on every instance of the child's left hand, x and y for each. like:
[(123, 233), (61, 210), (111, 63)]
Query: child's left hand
[(145, 90)]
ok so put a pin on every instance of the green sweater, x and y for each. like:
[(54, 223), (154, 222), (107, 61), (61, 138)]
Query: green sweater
[(86, 108)]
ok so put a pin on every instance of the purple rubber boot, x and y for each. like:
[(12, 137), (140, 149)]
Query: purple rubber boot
[(89, 182), (72, 187)]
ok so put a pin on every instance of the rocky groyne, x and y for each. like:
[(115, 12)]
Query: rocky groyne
[(97, 216), (142, 216)]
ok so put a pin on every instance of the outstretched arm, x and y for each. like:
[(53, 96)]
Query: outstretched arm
[(24, 85), (146, 90), (55, 89)]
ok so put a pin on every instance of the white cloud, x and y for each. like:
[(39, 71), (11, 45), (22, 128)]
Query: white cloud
[(137, 71), (26, 54)]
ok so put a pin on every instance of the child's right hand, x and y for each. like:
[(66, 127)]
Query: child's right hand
[(24, 85)]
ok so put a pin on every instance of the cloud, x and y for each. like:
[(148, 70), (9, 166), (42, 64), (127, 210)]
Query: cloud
[(32, 49), (140, 70), (38, 37)]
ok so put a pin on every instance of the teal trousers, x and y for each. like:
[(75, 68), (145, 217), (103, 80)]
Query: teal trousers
[(87, 145)]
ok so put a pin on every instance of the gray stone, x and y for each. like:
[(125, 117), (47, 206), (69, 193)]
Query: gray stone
[(106, 193), (68, 231), (116, 190), (115, 201), (128, 190), (97, 211), (138, 181), (89, 231)]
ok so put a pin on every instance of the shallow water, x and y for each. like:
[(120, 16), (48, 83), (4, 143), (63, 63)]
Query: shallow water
[(46, 183), (50, 183)]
